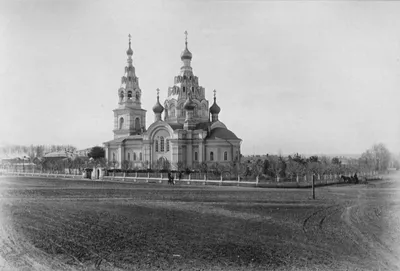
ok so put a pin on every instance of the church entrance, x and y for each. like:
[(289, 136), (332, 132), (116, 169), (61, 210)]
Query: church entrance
[(163, 164)]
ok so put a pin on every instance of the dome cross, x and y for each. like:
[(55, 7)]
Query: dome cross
[(186, 34)]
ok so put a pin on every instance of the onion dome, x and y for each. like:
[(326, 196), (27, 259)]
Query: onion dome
[(215, 109), (158, 108), (189, 104), (186, 54), (129, 52)]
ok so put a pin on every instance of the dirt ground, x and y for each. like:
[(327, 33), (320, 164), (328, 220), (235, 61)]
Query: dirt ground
[(49, 224)]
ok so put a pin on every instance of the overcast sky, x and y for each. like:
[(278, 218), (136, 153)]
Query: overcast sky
[(291, 76)]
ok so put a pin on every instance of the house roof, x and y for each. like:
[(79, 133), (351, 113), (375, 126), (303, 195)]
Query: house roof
[(59, 154)]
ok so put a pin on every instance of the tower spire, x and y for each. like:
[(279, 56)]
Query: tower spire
[(186, 54), (129, 52), (215, 109), (157, 108)]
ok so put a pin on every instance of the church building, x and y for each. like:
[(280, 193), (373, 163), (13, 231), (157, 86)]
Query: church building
[(186, 132)]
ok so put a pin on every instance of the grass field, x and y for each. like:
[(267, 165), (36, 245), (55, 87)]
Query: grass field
[(50, 224)]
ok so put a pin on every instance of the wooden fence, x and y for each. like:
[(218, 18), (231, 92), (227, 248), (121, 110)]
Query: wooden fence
[(141, 177)]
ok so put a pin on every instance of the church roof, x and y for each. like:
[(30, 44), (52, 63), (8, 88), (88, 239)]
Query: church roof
[(121, 139), (199, 126), (176, 126), (222, 133)]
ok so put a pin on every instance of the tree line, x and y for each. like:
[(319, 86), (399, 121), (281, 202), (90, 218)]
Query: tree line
[(34, 151), (376, 158)]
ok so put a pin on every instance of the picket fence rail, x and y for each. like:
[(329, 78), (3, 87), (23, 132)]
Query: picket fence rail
[(305, 180)]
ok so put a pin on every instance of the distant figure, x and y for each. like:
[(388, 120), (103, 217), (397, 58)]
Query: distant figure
[(355, 178), (180, 175), (170, 178), (345, 179)]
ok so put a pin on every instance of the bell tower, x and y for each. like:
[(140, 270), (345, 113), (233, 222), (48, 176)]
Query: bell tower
[(129, 117)]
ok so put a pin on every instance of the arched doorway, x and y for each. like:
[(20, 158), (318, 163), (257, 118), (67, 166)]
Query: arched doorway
[(163, 164), (98, 174)]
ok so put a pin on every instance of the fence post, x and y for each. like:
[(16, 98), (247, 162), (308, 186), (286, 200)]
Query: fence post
[(220, 182), (205, 179), (190, 176), (148, 177), (277, 179), (238, 183), (297, 178), (257, 180), (305, 178), (312, 186)]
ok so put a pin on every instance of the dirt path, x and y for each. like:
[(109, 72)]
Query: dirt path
[(18, 254), (354, 227)]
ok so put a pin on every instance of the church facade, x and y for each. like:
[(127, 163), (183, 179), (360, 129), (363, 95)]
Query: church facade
[(187, 136)]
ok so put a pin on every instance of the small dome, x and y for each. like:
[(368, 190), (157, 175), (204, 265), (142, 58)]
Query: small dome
[(215, 109), (186, 54), (129, 52), (189, 104), (158, 108)]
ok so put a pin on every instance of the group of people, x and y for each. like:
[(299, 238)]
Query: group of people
[(171, 177), (351, 179)]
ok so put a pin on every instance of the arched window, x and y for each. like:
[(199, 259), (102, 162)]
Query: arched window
[(121, 123), (161, 144), (134, 156), (121, 95), (226, 156), (167, 143), (129, 156), (182, 113), (211, 156), (156, 145), (195, 156), (183, 89), (129, 94), (137, 123), (140, 157)]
